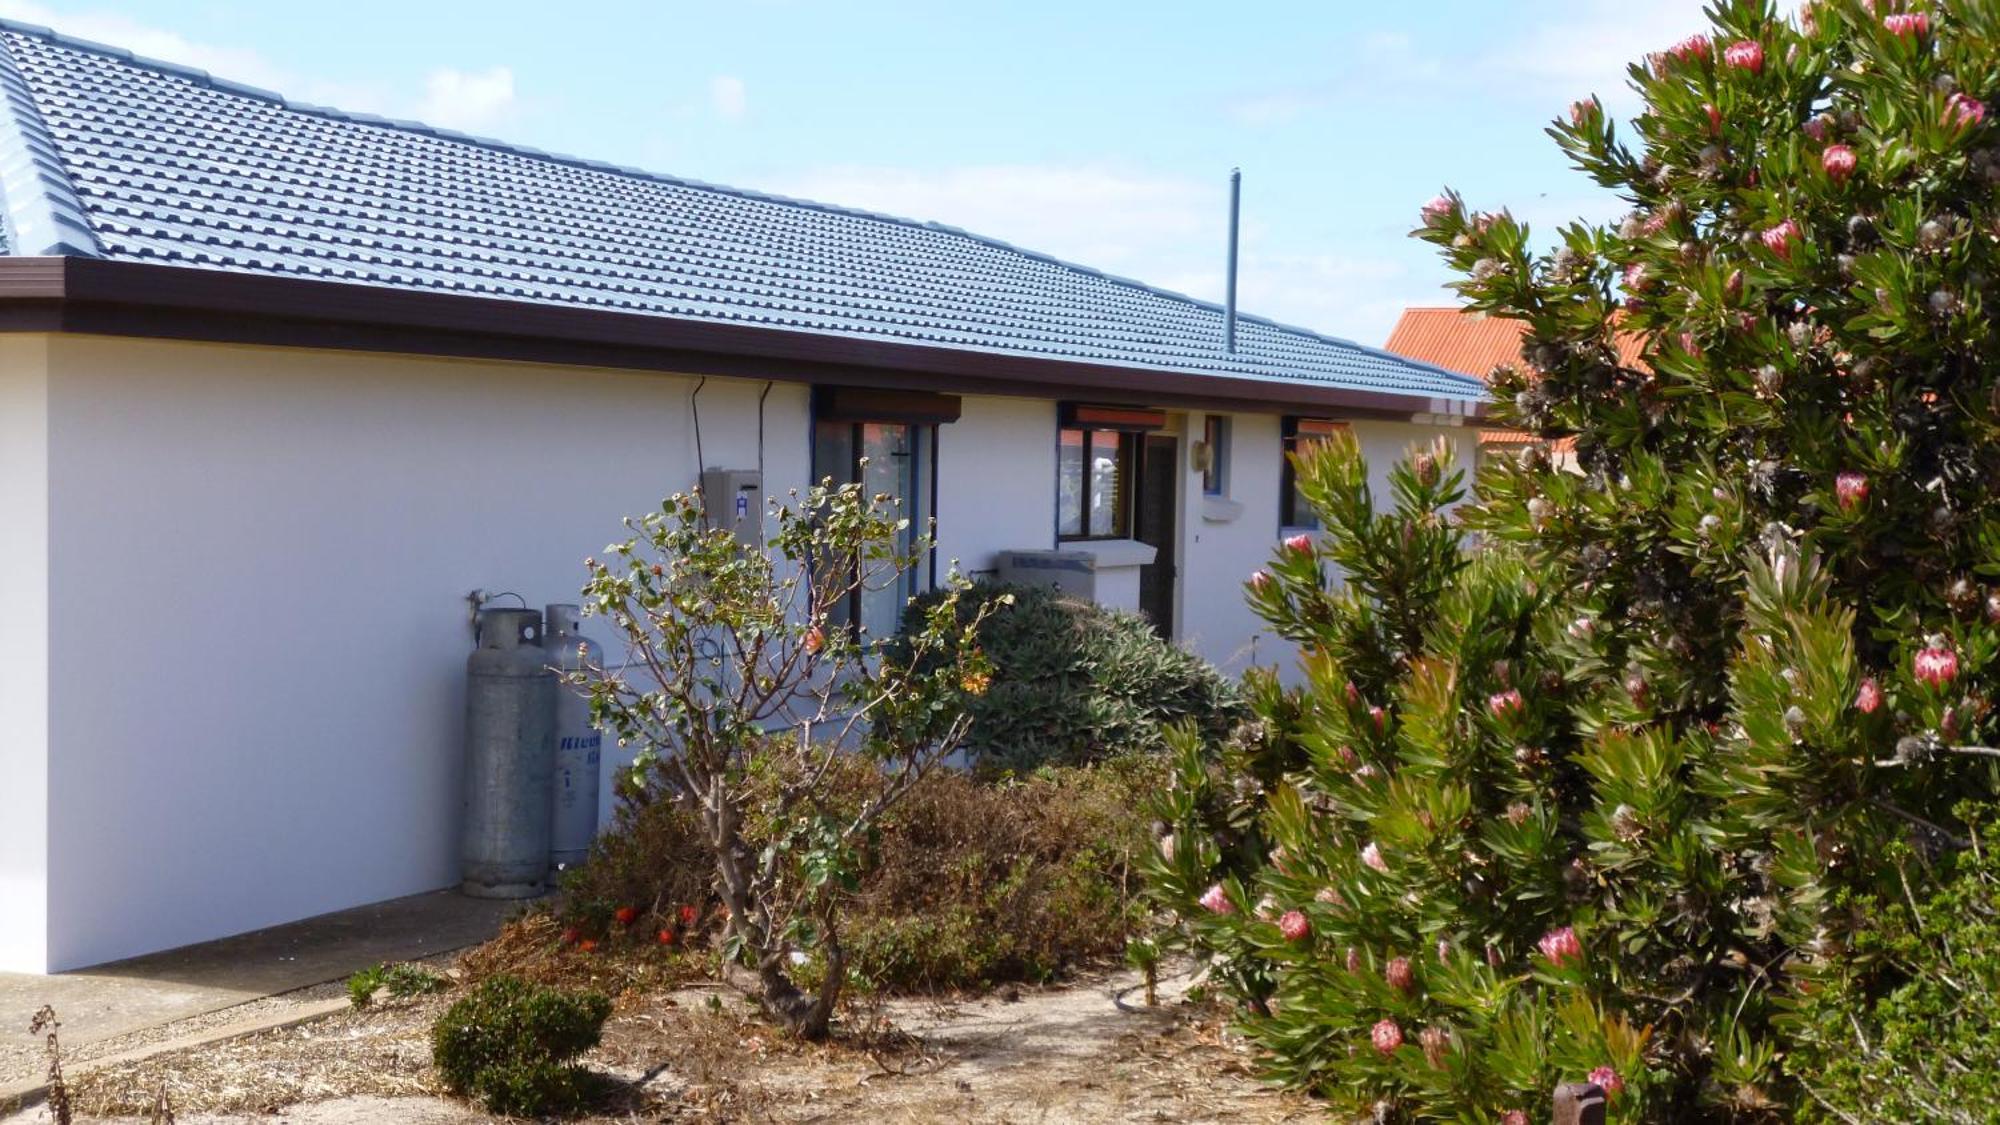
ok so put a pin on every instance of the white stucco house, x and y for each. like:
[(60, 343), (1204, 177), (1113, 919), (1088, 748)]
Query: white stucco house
[(279, 385)]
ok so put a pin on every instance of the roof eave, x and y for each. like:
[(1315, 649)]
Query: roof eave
[(123, 298)]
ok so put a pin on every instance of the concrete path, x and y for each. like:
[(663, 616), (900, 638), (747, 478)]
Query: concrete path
[(161, 988)]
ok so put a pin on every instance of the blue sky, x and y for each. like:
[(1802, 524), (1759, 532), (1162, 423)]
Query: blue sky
[(1094, 131)]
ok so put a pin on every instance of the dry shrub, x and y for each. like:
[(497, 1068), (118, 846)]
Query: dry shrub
[(972, 883), (653, 860), (535, 948), (968, 882)]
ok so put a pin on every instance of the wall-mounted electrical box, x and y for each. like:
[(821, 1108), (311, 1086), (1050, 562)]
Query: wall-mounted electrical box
[(734, 499)]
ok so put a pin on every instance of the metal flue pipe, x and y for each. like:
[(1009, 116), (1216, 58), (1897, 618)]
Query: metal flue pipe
[(1229, 299)]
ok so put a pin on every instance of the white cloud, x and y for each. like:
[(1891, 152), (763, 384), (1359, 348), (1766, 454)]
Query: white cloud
[(457, 99), (1106, 217), (452, 98), (728, 96), (1587, 50), (1167, 231)]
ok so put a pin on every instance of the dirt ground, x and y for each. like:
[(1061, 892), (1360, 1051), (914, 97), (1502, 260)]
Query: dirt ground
[(1086, 1052)]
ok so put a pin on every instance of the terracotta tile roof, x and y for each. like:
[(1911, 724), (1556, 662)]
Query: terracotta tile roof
[(1474, 344)]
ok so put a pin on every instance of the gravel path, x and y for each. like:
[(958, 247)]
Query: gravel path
[(1086, 1053)]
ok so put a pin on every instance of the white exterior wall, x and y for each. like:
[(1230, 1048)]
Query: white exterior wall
[(1221, 548), (260, 559), (233, 649), (996, 481), (24, 651), (1224, 539)]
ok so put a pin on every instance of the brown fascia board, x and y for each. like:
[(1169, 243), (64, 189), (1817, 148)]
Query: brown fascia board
[(121, 298)]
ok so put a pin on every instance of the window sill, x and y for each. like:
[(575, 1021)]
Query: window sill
[(1113, 552)]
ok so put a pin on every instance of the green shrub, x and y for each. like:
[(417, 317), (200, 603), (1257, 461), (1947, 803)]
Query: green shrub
[(1073, 682), (512, 1045), (1596, 791), (398, 980), (1906, 1025)]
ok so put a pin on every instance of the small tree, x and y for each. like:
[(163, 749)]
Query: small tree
[(739, 687)]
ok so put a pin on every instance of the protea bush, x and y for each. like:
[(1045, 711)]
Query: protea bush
[(1600, 773)]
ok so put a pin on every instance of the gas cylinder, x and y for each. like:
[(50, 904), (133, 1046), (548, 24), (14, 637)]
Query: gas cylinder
[(509, 757), (578, 745)]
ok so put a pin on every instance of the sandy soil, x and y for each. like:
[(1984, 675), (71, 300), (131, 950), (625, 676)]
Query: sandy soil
[(1088, 1052)]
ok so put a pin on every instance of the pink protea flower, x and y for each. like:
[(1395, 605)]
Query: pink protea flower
[(1294, 926), (1850, 490), (1353, 959), (1444, 949), (1260, 581), (1514, 1117), (1581, 110), (1216, 900), (1372, 856), (1387, 1036), (1779, 239), (1167, 847), (1907, 25), (1299, 544), (1693, 48), (1380, 716), (1436, 210), (1714, 118), (1560, 946), (1838, 160), (1935, 665), (1607, 1080), (1399, 974), (1745, 54), (1815, 127), (1504, 703), (1328, 895), (1435, 1041), (1964, 111), (1868, 697), (1635, 277)]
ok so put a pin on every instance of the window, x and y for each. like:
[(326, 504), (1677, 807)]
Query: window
[(1094, 483), (1215, 436), (895, 458), (1300, 435)]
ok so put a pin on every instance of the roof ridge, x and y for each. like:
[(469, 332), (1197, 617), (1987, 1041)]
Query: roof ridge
[(203, 77), (38, 201)]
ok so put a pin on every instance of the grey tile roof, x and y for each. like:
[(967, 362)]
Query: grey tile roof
[(107, 155)]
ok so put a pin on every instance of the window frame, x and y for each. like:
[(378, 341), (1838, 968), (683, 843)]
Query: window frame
[(1293, 513), (1128, 463), (1215, 436), (924, 439)]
